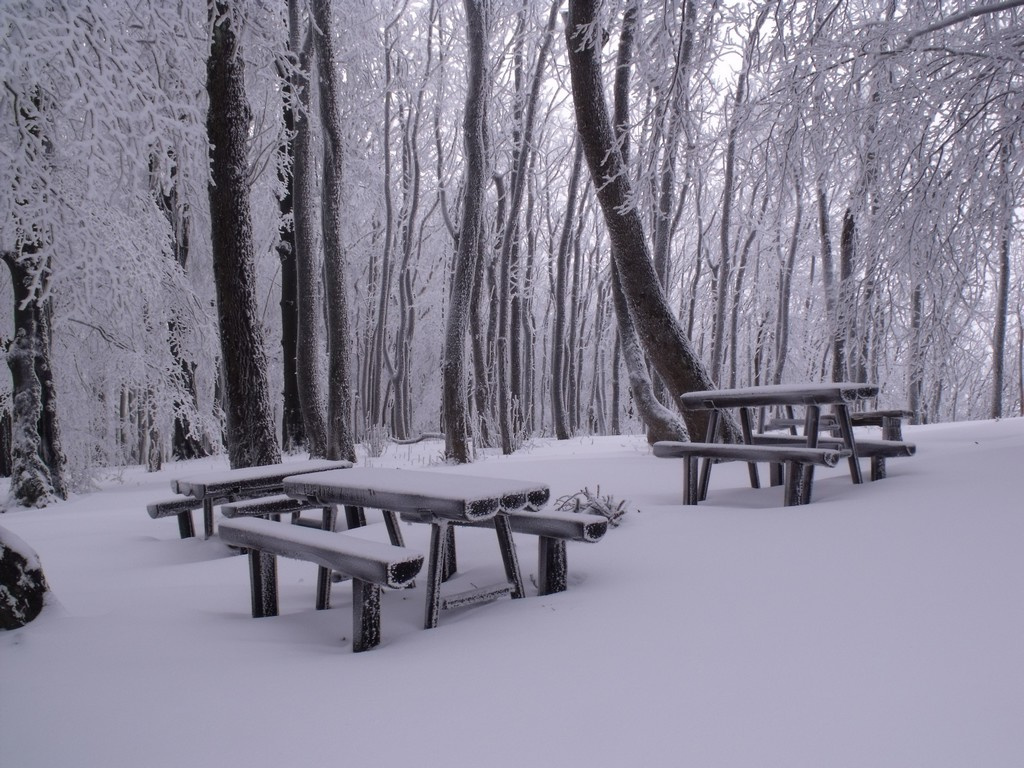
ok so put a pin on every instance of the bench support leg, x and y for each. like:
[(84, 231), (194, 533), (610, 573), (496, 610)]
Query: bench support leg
[(263, 579), (365, 615), (186, 529), (552, 566), (877, 468)]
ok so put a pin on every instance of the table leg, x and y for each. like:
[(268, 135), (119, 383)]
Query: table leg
[(355, 517), (508, 555), (323, 575), (748, 438), (842, 414), (435, 560), (705, 468), (207, 517), (812, 420)]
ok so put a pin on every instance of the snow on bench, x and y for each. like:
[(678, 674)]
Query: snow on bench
[(552, 529), (795, 458), (370, 564), (876, 450)]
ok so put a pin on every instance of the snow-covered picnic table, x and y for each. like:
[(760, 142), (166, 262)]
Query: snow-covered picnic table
[(812, 397), (440, 500), (213, 486)]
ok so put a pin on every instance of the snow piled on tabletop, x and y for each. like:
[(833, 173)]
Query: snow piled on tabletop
[(882, 625)]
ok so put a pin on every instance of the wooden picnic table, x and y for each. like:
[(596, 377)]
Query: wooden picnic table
[(212, 486), (838, 396), (441, 500)]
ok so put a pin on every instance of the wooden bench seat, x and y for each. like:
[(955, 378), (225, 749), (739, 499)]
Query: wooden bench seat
[(875, 450), (891, 421), (275, 506), (370, 564), (553, 529), (793, 457), (180, 507)]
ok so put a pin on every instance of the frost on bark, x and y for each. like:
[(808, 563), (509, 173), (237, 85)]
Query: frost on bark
[(467, 256), (37, 459), (22, 583), (660, 334), (251, 438), (30, 478), (309, 340), (340, 436)]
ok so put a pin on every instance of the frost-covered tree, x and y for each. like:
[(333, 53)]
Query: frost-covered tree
[(251, 438)]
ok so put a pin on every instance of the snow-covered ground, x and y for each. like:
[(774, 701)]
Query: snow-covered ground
[(883, 625)]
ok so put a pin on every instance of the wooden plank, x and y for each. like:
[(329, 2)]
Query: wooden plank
[(778, 394), (572, 526), (372, 561), (453, 496), (828, 457), (169, 507), (266, 505), (865, 448), (249, 480)]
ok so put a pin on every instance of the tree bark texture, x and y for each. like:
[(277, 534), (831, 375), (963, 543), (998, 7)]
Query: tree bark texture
[(467, 256), (308, 272), (37, 458), (251, 438), (340, 433), (659, 332), (661, 422), (293, 431)]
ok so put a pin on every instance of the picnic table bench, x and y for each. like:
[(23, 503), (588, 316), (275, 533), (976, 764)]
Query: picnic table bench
[(204, 490), (875, 450), (839, 396), (444, 501), (794, 457), (370, 564)]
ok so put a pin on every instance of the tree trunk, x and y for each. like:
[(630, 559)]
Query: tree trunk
[(560, 299), (829, 283), (1002, 307), (659, 332), (293, 430), (340, 435), (308, 272), (467, 256), (786, 291), (250, 426)]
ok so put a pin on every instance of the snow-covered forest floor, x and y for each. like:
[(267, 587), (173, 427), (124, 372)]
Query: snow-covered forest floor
[(883, 625)]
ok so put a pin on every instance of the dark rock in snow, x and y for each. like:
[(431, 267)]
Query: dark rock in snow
[(22, 584)]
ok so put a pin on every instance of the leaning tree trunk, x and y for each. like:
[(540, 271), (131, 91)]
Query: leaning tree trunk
[(659, 332), (250, 424), (661, 422), (340, 434), (467, 255)]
